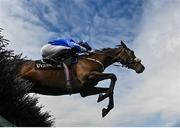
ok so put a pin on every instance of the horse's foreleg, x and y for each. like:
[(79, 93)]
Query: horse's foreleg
[(90, 90), (110, 90), (105, 111), (96, 77), (110, 94)]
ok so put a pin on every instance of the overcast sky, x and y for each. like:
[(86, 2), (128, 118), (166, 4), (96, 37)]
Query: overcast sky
[(150, 27)]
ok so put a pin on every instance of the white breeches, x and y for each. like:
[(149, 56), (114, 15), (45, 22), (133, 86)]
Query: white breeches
[(49, 49)]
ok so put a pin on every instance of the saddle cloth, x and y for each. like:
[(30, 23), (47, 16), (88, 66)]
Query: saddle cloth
[(40, 65)]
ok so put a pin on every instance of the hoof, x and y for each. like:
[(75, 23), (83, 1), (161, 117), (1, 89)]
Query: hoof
[(100, 98), (104, 112)]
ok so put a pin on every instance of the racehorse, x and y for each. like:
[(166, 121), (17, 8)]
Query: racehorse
[(85, 75)]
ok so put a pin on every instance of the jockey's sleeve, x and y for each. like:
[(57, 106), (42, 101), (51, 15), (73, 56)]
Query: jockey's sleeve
[(72, 44), (61, 42)]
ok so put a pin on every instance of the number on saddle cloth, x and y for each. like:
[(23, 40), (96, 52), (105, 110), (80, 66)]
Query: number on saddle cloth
[(40, 65)]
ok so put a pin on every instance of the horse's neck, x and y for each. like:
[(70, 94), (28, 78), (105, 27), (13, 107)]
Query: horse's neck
[(105, 57)]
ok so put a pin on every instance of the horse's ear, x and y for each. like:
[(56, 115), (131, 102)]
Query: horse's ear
[(123, 44)]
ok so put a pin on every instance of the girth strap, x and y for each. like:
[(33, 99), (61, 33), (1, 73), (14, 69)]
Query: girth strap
[(67, 77)]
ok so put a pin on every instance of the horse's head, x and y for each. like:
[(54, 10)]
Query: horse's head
[(127, 58)]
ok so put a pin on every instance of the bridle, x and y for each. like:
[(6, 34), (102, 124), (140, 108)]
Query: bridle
[(128, 62)]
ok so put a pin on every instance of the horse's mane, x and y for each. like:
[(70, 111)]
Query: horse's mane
[(102, 50)]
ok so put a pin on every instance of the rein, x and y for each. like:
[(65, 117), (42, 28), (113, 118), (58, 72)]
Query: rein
[(120, 64)]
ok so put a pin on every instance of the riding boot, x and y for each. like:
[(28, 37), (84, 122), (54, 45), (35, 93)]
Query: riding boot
[(53, 59), (58, 57)]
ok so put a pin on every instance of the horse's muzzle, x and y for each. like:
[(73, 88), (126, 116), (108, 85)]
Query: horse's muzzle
[(140, 69)]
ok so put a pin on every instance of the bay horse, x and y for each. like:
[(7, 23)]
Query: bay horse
[(85, 74)]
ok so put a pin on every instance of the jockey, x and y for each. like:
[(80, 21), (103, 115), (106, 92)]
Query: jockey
[(60, 48)]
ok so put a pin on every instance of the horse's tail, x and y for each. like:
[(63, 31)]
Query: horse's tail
[(16, 105)]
